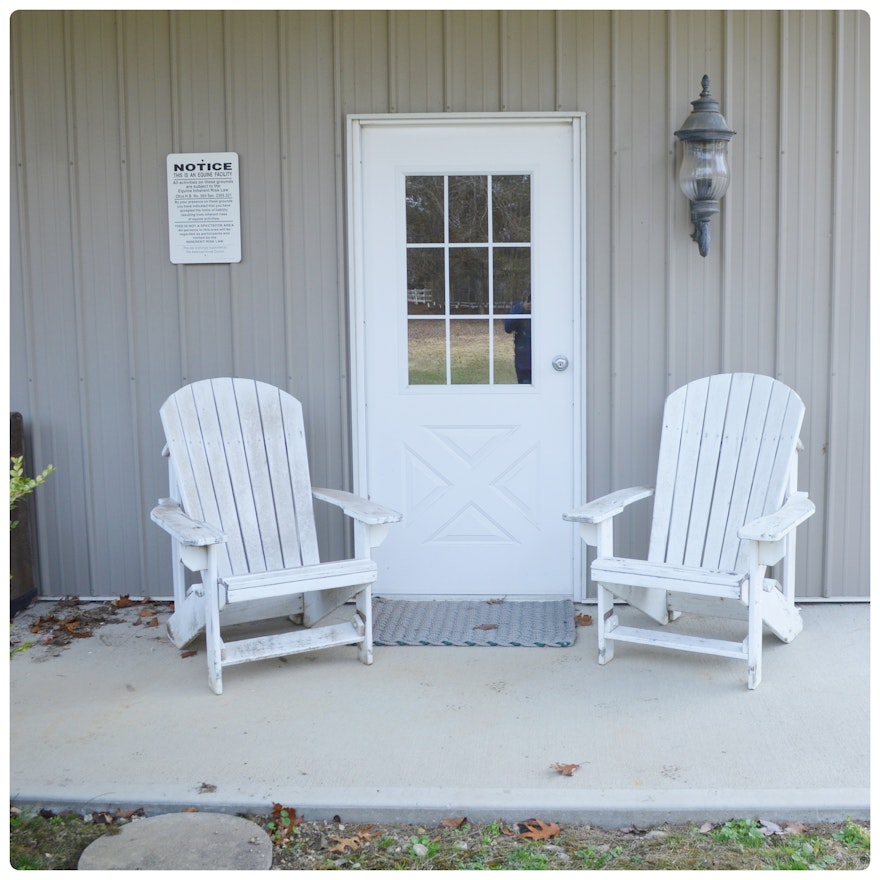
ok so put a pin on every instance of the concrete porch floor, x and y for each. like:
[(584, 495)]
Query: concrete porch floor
[(122, 720)]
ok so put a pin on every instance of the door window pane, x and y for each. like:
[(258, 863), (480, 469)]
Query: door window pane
[(427, 352), (425, 281), (518, 326), (468, 209), (512, 208), (504, 354), (512, 277), (469, 279), (469, 352), (424, 209)]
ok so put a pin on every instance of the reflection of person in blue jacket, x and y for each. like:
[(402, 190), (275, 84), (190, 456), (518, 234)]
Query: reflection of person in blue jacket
[(522, 339)]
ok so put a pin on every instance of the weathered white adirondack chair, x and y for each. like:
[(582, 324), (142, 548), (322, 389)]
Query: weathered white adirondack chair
[(241, 514), (726, 506)]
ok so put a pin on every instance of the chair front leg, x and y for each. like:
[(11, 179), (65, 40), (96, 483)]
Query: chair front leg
[(364, 607), (607, 618), (212, 623), (756, 619)]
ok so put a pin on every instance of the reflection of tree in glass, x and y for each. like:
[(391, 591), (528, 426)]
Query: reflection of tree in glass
[(511, 207), (424, 209), (468, 209), (455, 210), (512, 276), (425, 279), (469, 279)]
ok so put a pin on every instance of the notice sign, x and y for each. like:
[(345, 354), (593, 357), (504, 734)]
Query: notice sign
[(204, 216)]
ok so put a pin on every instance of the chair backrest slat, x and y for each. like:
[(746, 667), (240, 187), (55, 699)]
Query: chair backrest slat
[(238, 448), (727, 448)]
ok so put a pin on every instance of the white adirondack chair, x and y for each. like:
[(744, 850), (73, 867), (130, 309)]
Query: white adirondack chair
[(240, 514), (726, 507)]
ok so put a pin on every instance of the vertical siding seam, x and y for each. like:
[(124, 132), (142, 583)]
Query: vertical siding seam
[(727, 232), (285, 147), (127, 262), (672, 189), (393, 76), (781, 194), (180, 275), (235, 302), (557, 58), (614, 194), (557, 42), (503, 60), (343, 290), (78, 304), (828, 520), (447, 61)]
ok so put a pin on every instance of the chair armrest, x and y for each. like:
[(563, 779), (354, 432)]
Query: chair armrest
[(608, 505), (358, 508), (190, 532), (775, 526)]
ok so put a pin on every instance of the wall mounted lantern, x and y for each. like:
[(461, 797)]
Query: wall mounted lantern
[(704, 174)]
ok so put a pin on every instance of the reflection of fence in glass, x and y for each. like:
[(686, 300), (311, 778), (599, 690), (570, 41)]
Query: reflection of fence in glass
[(468, 255), (467, 357)]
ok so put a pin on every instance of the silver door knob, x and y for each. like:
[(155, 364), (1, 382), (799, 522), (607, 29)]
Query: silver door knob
[(560, 363)]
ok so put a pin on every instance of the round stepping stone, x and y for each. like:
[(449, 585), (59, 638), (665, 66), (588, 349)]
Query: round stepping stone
[(182, 841)]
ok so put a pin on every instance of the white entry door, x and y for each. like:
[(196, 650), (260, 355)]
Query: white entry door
[(466, 267)]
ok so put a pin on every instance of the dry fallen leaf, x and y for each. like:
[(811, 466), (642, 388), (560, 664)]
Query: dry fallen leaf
[(583, 619), (455, 822), (153, 621), (185, 654), (345, 843), (538, 830), (565, 769), (632, 829), (147, 612), (122, 601), (354, 842)]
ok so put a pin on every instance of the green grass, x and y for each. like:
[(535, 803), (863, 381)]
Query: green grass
[(55, 842)]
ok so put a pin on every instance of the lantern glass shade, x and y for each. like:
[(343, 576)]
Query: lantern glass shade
[(704, 173)]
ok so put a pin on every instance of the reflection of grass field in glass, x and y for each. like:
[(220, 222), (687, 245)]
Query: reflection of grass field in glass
[(469, 353)]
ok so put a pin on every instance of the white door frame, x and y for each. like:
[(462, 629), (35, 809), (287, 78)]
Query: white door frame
[(356, 123)]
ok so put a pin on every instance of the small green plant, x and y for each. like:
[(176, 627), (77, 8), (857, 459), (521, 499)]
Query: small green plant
[(19, 648), (595, 858), (802, 854), (527, 858), (20, 485), (854, 836), (283, 826), (745, 832), (424, 847)]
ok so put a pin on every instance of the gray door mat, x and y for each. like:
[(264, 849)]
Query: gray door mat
[(542, 624)]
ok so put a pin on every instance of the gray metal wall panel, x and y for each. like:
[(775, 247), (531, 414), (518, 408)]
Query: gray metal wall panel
[(51, 402), (104, 327), (845, 533)]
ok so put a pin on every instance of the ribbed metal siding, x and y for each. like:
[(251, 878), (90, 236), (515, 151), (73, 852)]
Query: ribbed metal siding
[(104, 327)]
